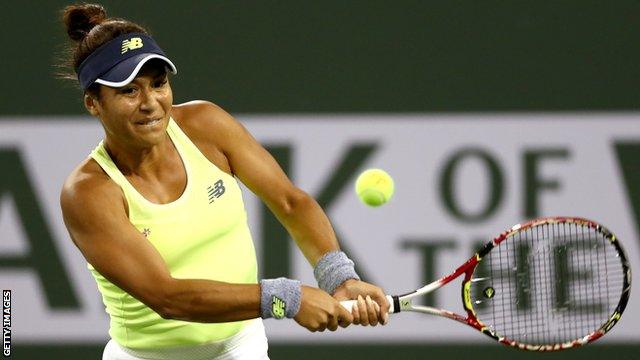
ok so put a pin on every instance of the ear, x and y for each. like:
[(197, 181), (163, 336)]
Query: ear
[(92, 105)]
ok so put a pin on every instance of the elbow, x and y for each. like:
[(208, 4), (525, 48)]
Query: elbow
[(162, 303), (166, 314), (294, 201), (165, 311), (169, 311)]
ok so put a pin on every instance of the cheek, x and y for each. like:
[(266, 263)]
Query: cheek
[(116, 118), (168, 99), (116, 115), (113, 123)]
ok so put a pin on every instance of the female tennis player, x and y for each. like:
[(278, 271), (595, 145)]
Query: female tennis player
[(157, 213)]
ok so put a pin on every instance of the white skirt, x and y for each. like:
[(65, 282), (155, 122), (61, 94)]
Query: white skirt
[(249, 343)]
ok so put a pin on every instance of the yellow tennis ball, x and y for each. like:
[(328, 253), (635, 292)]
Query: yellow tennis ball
[(374, 187)]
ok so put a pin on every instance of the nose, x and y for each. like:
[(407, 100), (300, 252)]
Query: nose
[(148, 100)]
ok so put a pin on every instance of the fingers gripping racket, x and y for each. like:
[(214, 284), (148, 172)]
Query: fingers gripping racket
[(545, 285)]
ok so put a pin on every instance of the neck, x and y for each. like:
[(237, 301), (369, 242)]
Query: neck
[(138, 160)]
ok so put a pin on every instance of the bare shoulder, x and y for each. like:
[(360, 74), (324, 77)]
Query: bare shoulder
[(203, 119), (198, 111), (87, 187), (216, 133)]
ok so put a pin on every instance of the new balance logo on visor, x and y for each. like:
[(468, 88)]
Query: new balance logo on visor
[(131, 44), (215, 191)]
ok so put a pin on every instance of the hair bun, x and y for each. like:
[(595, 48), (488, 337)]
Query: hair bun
[(80, 19)]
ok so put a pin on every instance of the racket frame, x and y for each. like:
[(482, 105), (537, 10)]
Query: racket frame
[(404, 302)]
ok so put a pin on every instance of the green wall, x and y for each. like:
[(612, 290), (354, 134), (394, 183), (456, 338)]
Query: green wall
[(356, 56)]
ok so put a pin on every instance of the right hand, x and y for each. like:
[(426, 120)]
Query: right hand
[(320, 311)]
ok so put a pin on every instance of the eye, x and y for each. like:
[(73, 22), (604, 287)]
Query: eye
[(128, 90), (160, 82)]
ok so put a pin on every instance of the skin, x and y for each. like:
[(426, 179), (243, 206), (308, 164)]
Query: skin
[(96, 214)]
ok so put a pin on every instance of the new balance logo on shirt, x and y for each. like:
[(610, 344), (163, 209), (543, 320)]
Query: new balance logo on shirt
[(215, 191)]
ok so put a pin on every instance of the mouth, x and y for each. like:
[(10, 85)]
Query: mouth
[(149, 122)]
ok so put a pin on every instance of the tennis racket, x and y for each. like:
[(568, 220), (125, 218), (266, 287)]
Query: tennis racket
[(545, 285)]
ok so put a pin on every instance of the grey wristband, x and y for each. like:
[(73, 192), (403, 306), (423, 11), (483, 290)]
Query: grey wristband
[(279, 298), (333, 269)]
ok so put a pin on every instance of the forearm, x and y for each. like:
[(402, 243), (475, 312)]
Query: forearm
[(210, 301), (309, 226)]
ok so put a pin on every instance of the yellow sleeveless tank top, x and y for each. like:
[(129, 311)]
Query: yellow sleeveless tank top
[(201, 235)]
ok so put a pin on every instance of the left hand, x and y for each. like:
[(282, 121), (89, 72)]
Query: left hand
[(371, 306)]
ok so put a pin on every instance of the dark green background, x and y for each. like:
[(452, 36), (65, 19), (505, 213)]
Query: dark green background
[(354, 56)]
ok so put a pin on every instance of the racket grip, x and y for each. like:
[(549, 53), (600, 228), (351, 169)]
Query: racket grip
[(348, 304)]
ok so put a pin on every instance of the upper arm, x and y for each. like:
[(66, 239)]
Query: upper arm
[(96, 219), (248, 159), (256, 167)]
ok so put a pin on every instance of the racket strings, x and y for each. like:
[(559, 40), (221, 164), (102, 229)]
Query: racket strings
[(551, 283)]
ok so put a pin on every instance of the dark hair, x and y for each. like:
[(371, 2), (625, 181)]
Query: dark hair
[(88, 27)]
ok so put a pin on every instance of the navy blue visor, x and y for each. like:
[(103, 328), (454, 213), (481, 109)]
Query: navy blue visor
[(117, 62)]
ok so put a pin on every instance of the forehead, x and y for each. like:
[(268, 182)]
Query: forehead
[(153, 68)]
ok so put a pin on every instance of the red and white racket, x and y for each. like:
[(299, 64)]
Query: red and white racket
[(545, 285)]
